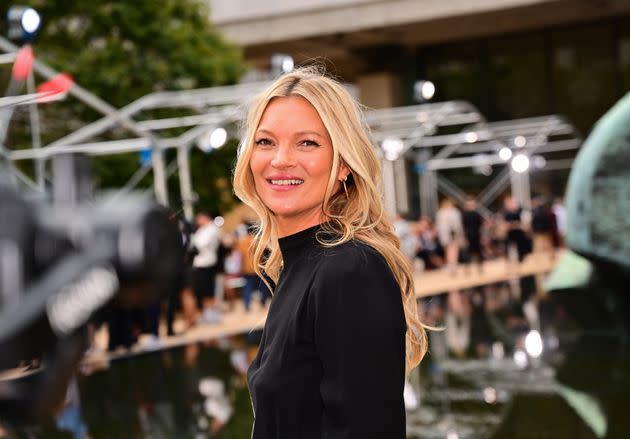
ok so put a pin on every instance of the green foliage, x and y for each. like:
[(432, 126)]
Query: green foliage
[(124, 49), (121, 50)]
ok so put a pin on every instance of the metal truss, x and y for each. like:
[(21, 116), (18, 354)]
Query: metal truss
[(434, 136), (455, 134)]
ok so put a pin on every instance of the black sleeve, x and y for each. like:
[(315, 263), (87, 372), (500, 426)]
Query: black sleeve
[(360, 338)]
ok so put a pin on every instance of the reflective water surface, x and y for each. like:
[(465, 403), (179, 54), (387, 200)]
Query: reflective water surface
[(510, 363)]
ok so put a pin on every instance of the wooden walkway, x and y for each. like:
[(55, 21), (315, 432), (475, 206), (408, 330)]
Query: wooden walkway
[(237, 321)]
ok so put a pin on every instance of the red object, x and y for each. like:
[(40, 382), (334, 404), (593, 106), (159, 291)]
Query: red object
[(23, 63), (55, 88)]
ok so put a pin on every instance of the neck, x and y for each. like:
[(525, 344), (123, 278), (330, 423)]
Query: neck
[(291, 225)]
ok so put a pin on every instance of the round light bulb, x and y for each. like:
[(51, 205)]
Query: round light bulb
[(30, 20), (520, 141), (218, 138), (533, 344), (505, 153), (520, 163)]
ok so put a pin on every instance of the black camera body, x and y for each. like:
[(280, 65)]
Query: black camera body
[(59, 264)]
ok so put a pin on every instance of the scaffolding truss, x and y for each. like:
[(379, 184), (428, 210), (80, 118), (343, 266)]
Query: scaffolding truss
[(433, 136)]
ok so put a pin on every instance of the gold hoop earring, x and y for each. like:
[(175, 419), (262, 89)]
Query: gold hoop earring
[(345, 188)]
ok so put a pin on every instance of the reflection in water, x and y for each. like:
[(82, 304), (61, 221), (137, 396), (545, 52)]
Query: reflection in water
[(511, 364)]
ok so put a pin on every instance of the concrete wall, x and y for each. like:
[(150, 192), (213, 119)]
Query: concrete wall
[(249, 22)]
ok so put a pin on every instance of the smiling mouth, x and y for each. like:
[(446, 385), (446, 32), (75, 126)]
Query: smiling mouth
[(292, 182)]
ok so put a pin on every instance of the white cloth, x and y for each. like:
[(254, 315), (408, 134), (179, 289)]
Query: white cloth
[(206, 241)]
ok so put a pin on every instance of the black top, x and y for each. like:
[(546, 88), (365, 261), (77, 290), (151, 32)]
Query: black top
[(472, 221), (331, 362)]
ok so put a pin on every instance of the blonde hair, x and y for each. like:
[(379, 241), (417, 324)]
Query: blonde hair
[(360, 215)]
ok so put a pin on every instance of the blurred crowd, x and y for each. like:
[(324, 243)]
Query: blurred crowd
[(219, 271), (218, 276), (461, 236)]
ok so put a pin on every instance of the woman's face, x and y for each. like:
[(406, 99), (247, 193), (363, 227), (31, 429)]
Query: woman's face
[(291, 163)]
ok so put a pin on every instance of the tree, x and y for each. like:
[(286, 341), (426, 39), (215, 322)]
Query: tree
[(121, 50)]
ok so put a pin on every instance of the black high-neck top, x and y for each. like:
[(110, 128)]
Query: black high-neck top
[(331, 362)]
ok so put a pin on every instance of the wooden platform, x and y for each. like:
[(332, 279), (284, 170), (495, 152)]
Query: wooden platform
[(438, 281), (237, 321)]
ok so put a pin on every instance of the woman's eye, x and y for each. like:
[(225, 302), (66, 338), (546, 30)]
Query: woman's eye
[(309, 143), (263, 142)]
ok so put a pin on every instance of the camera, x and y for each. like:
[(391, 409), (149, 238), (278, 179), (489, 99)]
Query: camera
[(61, 262)]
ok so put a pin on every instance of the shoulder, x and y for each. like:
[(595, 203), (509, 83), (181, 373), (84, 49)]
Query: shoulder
[(353, 262), (350, 256), (353, 281)]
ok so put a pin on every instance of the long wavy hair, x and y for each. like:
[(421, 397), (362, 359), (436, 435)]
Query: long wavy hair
[(360, 215)]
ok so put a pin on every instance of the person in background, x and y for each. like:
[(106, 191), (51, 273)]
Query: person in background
[(448, 221), (343, 326), (516, 238), (429, 249), (206, 242), (472, 222), (544, 226)]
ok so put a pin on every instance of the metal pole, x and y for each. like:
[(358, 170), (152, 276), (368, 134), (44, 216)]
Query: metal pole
[(400, 177), (428, 193), (185, 183), (36, 133)]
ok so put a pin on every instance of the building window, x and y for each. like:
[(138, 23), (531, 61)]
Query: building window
[(584, 73)]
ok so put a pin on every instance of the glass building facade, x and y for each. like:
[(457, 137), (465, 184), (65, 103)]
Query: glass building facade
[(576, 71)]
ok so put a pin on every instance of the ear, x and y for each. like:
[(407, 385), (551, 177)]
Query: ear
[(343, 172)]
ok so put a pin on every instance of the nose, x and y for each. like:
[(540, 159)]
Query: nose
[(283, 157)]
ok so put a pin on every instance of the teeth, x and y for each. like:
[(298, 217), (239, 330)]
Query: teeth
[(287, 182)]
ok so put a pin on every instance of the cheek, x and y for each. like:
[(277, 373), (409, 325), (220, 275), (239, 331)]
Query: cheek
[(257, 165)]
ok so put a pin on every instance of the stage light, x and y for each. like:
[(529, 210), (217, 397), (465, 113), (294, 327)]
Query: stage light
[(534, 344), (212, 139), (490, 395), (423, 90), (505, 153), (471, 137), (520, 141), (520, 163), (281, 63), (392, 147), (539, 161), (23, 23)]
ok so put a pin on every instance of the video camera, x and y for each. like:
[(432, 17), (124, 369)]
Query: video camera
[(60, 262)]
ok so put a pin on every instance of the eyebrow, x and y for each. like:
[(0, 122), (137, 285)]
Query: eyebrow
[(299, 133)]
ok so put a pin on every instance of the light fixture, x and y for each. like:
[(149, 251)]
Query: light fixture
[(520, 141), (23, 23), (281, 63), (423, 90), (212, 139), (471, 137), (520, 163), (533, 344), (392, 147), (539, 161), (505, 153)]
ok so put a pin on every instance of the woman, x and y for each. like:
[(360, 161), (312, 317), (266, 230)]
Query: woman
[(448, 220), (342, 327)]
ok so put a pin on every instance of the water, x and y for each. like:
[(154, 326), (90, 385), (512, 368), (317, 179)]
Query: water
[(479, 380)]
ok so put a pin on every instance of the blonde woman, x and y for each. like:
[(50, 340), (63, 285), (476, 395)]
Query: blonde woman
[(342, 328)]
